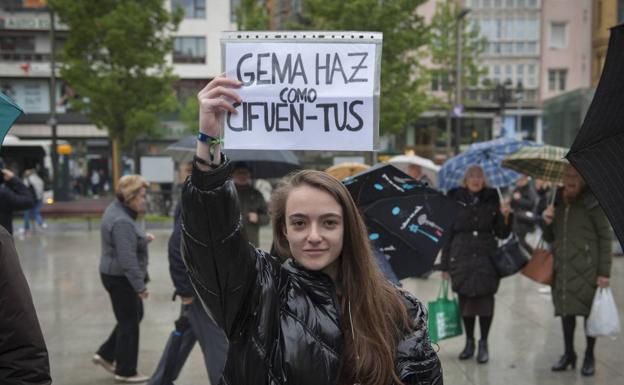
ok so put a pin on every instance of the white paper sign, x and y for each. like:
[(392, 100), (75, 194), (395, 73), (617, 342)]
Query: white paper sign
[(303, 95)]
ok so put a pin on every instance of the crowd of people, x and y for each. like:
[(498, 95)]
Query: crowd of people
[(317, 309)]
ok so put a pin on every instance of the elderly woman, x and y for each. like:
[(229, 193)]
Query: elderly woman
[(466, 259), (123, 269), (581, 237)]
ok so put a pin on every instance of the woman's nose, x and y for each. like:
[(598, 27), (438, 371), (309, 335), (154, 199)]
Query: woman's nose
[(314, 235)]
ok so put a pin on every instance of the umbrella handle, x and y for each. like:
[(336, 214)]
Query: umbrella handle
[(500, 195)]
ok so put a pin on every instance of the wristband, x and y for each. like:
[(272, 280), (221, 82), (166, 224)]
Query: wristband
[(208, 139)]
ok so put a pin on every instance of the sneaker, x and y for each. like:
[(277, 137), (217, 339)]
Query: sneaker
[(108, 366), (137, 378)]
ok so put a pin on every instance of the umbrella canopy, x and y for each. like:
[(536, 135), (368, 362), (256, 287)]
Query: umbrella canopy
[(544, 162), (264, 164), (9, 112), (406, 221), (429, 169), (345, 170), (489, 155), (597, 151)]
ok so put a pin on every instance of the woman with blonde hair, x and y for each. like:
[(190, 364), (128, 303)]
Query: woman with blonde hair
[(123, 270), (466, 258), (326, 316)]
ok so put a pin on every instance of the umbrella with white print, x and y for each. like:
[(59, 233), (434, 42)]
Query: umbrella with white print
[(406, 220)]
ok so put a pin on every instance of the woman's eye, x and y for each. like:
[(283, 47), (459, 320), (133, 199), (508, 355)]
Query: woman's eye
[(298, 223), (331, 223)]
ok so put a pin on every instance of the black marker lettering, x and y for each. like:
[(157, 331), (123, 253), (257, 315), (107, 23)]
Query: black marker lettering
[(358, 67), (250, 75)]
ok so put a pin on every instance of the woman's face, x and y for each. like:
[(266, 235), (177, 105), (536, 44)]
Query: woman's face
[(314, 228), (475, 181), (138, 202), (572, 182)]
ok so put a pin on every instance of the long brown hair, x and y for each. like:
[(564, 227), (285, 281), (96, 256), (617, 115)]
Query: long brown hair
[(378, 315)]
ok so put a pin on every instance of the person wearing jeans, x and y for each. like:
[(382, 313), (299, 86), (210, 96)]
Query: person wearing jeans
[(123, 270), (36, 186), (194, 324)]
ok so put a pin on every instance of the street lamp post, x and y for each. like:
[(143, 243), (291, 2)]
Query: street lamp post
[(458, 75), (52, 121)]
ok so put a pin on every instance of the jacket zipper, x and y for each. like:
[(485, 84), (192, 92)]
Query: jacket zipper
[(565, 254)]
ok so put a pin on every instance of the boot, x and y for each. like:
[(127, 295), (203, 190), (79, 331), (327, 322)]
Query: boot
[(588, 365), (483, 355), (564, 361), (468, 349)]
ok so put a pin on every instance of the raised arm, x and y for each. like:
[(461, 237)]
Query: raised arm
[(220, 261)]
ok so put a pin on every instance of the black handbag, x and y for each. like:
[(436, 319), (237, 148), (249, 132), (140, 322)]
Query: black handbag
[(510, 257)]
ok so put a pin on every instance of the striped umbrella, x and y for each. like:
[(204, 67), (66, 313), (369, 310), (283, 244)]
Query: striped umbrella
[(489, 155), (545, 162)]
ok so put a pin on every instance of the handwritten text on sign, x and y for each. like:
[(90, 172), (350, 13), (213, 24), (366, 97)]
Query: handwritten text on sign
[(307, 96)]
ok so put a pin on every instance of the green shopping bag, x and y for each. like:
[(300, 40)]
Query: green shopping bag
[(444, 317)]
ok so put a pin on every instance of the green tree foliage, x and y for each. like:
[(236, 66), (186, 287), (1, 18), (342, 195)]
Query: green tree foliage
[(114, 59), (403, 96), (443, 49), (189, 111), (252, 15)]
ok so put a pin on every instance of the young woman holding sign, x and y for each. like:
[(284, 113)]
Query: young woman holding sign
[(326, 315)]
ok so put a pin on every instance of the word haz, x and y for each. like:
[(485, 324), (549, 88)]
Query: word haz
[(266, 68)]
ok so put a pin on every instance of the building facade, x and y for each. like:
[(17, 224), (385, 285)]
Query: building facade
[(606, 14), (25, 70), (565, 46)]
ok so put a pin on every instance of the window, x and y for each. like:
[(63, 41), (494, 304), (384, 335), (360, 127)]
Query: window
[(558, 35), (17, 43), (439, 81), (557, 79), (509, 3), (487, 3), (532, 48), (531, 79), (498, 3), (521, 3), (508, 73), (520, 48), (193, 9), (532, 3), (189, 50)]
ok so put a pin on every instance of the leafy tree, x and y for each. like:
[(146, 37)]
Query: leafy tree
[(189, 111), (115, 59), (403, 96), (443, 49), (252, 15)]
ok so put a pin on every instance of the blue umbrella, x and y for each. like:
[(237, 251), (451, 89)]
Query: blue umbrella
[(9, 112), (489, 155)]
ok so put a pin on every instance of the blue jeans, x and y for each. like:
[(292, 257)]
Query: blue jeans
[(202, 329), (33, 213)]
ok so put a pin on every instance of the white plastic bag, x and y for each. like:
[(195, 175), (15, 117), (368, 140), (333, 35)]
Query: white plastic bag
[(603, 319)]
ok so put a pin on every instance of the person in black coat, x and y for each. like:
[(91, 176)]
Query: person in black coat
[(327, 315), (14, 196), (23, 353), (466, 258)]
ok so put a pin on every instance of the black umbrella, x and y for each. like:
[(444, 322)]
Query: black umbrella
[(263, 163), (406, 220), (598, 149)]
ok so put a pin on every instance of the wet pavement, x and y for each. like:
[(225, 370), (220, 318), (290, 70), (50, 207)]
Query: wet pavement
[(76, 316)]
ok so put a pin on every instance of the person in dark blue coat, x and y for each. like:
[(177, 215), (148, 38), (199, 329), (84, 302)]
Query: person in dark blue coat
[(194, 324)]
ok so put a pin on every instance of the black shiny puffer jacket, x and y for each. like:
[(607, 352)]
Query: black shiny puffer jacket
[(282, 321)]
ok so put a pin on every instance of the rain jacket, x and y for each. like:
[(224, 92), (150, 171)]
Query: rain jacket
[(468, 251), (14, 195), (251, 200), (283, 322), (581, 237), (23, 353)]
